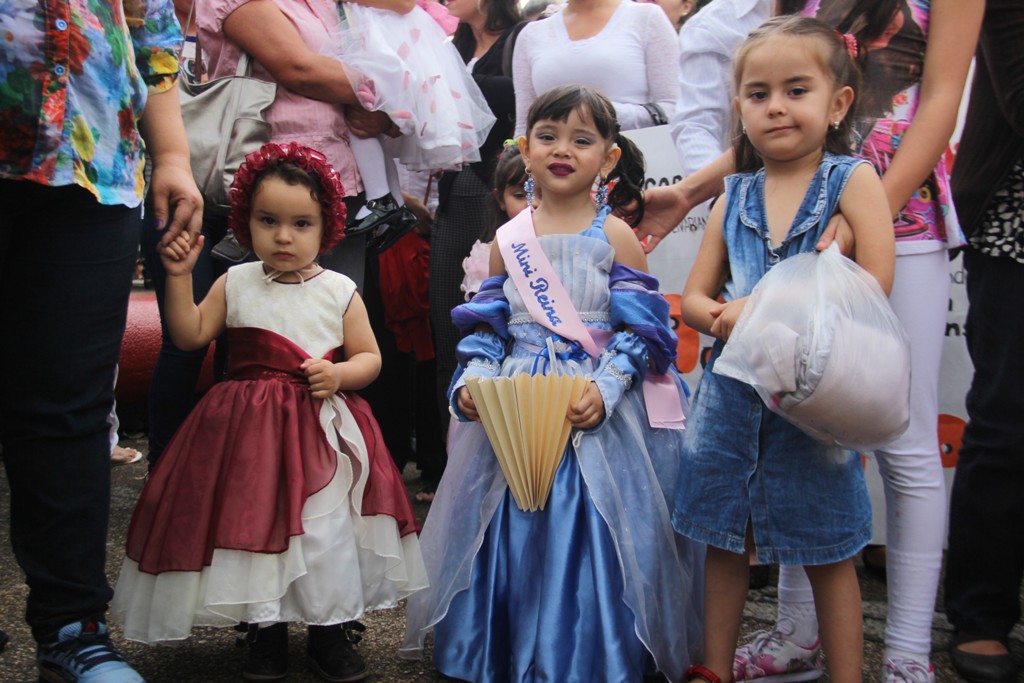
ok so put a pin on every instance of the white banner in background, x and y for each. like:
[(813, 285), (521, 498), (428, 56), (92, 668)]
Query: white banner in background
[(671, 263)]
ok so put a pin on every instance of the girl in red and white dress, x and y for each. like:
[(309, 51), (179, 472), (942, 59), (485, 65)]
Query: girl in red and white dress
[(276, 500)]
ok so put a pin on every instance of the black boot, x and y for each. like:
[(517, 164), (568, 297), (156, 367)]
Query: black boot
[(333, 655), (268, 653)]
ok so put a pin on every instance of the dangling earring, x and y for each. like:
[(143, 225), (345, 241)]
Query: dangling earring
[(836, 124), (601, 196), (743, 127), (528, 187)]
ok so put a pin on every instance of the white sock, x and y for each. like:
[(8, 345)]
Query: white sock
[(912, 582), (372, 165), (796, 606)]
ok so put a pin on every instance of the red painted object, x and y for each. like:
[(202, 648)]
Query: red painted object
[(140, 348)]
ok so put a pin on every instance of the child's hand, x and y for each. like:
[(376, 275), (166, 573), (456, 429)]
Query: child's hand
[(366, 93), (725, 316), (324, 377), (466, 405), (838, 230), (179, 256), (589, 411)]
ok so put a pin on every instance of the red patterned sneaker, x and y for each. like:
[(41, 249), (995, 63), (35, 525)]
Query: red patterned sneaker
[(770, 657), (900, 670)]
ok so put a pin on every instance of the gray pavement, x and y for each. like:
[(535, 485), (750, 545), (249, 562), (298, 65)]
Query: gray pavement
[(212, 655)]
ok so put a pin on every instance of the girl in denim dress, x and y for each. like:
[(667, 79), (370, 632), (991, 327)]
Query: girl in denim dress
[(750, 481)]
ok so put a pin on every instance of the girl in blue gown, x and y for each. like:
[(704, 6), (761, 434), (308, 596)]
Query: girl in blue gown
[(596, 586)]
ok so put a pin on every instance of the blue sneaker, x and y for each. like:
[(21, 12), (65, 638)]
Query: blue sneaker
[(83, 653)]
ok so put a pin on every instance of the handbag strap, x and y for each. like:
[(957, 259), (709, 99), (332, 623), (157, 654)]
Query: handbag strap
[(244, 67), (184, 30)]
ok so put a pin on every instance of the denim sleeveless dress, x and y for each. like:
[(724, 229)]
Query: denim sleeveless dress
[(741, 463)]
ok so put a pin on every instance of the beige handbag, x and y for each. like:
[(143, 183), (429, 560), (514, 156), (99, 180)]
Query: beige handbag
[(224, 122)]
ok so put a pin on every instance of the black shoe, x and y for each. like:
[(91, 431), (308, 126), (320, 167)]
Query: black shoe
[(332, 653), (977, 668), (874, 568), (393, 230), (381, 209), (268, 653), (760, 575), (4, 638)]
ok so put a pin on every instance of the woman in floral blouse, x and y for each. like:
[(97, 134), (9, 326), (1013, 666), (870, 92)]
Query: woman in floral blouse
[(82, 85)]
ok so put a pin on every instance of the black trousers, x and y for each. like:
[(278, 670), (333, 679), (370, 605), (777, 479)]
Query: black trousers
[(172, 388), (985, 561), (65, 275), (456, 228)]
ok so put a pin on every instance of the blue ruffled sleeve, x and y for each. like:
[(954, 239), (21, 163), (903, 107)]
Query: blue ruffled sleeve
[(637, 304), (488, 307), (622, 364), (480, 354), (647, 340)]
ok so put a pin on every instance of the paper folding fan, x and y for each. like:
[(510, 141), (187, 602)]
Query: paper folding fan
[(525, 420)]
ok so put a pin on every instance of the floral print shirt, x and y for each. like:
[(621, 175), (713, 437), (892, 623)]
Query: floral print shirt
[(887, 102), (74, 78)]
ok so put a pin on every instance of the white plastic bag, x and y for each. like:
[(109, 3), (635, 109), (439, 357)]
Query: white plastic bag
[(820, 344)]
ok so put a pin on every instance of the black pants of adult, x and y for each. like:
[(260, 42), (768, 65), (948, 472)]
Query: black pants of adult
[(402, 397), (172, 387), (985, 561), (65, 275), (457, 226)]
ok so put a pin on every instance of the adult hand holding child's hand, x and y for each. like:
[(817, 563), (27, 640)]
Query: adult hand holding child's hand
[(179, 255)]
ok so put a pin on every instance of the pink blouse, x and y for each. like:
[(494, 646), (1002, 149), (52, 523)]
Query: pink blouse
[(293, 117)]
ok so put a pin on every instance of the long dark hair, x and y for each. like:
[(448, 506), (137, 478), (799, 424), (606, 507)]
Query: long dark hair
[(626, 198), (885, 72), (510, 170), (500, 16), (835, 60)]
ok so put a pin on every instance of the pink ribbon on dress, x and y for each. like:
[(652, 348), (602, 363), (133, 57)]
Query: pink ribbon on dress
[(549, 305)]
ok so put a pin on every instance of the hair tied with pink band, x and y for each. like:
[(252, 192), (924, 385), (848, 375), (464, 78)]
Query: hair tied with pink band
[(852, 46)]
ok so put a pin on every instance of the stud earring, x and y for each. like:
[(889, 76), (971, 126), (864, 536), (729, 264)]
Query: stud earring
[(529, 186), (743, 127), (601, 196)]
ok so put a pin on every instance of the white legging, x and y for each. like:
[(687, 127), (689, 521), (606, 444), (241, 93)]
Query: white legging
[(376, 168), (911, 467)]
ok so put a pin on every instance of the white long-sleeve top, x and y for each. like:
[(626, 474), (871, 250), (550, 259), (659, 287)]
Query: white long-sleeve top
[(633, 60), (701, 123)]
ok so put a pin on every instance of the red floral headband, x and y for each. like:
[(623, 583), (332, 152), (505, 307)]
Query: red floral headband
[(272, 155)]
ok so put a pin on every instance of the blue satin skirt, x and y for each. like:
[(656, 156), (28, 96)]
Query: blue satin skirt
[(545, 598)]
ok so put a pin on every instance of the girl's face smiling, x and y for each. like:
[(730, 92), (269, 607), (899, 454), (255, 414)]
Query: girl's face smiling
[(566, 156), (787, 101), (286, 225)]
